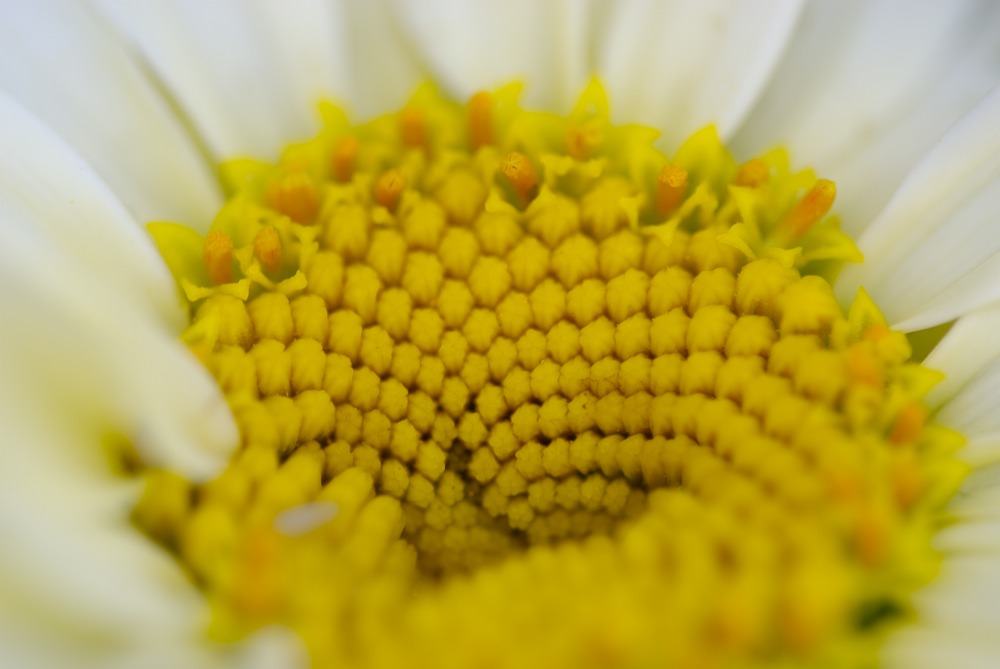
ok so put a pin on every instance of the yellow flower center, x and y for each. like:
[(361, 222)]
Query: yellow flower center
[(518, 390)]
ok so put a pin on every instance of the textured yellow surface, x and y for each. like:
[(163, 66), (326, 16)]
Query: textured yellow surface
[(517, 390)]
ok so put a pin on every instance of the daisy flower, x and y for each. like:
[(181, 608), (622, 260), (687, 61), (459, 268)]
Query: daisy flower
[(534, 350)]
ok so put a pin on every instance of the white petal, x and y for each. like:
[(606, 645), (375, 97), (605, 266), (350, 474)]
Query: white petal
[(933, 647), (63, 65), (965, 353), (247, 75), (970, 356), (867, 87), (44, 185), (964, 595), (934, 252), (679, 65), (76, 343), (79, 585), (385, 70), (474, 46)]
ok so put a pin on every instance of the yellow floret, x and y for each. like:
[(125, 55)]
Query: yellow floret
[(504, 378), (387, 255)]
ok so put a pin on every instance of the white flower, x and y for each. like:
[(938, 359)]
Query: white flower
[(113, 113)]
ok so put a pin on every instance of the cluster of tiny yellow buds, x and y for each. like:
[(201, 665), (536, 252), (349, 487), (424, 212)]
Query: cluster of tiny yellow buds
[(651, 440)]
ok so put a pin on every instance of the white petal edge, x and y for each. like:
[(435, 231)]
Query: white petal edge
[(79, 585), (679, 66), (77, 344), (934, 252), (965, 400), (61, 63), (45, 186), (247, 74), (866, 88), (469, 47), (933, 647), (384, 66)]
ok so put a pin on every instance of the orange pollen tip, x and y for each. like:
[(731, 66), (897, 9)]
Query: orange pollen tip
[(871, 536), (267, 248), (907, 481), (671, 187), (521, 175), (752, 173), (481, 119), (864, 368), (576, 143), (582, 140), (295, 196), (909, 424), (218, 257), (810, 209), (345, 152), (412, 127), (389, 188), (877, 333)]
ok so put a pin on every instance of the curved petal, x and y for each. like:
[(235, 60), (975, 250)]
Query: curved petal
[(681, 65), (62, 64), (866, 88), (83, 348), (45, 186), (79, 585), (384, 66), (247, 75), (934, 252), (931, 646), (473, 46)]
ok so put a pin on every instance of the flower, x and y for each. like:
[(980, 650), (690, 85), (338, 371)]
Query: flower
[(129, 78)]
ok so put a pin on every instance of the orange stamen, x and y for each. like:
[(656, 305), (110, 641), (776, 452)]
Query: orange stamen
[(218, 257), (752, 173), (909, 424), (871, 535), (582, 140), (267, 248), (671, 187), (294, 195), (412, 128), (344, 156), (864, 368), (521, 175), (388, 188), (907, 481), (810, 209), (481, 119)]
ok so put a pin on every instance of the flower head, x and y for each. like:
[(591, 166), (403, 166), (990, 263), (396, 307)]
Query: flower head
[(439, 269)]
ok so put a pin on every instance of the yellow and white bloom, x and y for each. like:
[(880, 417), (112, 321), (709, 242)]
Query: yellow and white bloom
[(116, 114)]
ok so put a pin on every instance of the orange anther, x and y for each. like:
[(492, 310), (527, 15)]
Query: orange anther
[(267, 248), (412, 127), (810, 209), (294, 195), (582, 140), (521, 175), (909, 424), (671, 187), (345, 153), (907, 481), (752, 173), (218, 257), (481, 119), (864, 368), (388, 188), (871, 535)]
